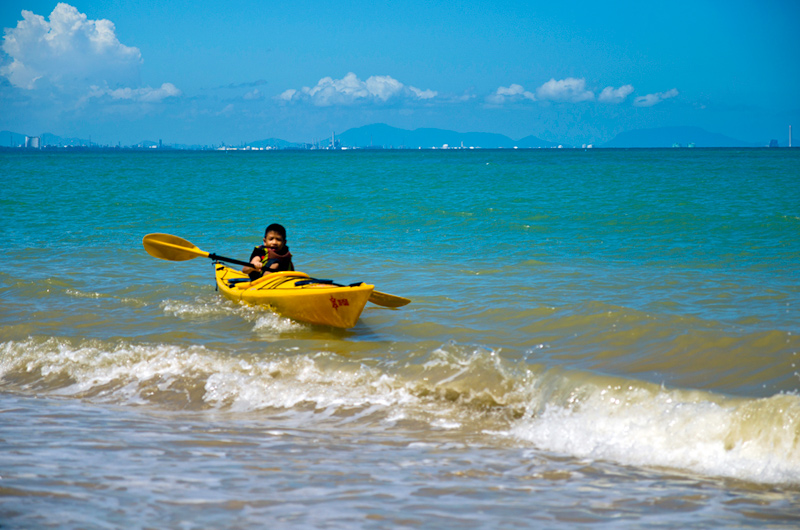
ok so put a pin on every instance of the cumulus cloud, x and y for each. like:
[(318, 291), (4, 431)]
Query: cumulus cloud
[(573, 90), (615, 95), (350, 90), (68, 51), (570, 90), (653, 99), (254, 94), (142, 95), (510, 94), (227, 110)]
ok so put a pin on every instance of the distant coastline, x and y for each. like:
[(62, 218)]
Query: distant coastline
[(384, 137), (209, 150)]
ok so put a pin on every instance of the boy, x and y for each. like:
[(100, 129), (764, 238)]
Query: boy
[(272, 256)]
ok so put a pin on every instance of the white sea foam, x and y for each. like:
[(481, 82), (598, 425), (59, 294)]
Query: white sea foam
[(288, 382), (124, 372), (748, 439), (203, 308), (81, 294), (275, 323), (200, 307), (455, 388)]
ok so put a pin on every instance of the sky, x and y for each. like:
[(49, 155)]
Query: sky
[(578, 72)]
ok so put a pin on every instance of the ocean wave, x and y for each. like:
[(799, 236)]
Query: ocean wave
[(459, 389), (647, 425)]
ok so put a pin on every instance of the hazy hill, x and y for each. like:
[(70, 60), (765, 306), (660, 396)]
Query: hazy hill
[(11, 139), (382, 135), (275, 143), (670, 136), (534, 142)]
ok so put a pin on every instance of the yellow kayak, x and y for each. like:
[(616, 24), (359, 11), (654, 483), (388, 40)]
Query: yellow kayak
[(297, 296)]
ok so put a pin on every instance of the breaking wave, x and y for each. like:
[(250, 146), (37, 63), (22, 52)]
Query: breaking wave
[(454, 388)]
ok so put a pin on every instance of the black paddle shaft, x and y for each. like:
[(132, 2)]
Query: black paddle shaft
[(230, 260)]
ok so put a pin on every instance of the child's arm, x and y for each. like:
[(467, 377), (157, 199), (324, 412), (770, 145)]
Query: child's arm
[(256, 262)]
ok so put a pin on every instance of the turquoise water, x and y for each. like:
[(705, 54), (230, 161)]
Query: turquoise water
[(595, 337)]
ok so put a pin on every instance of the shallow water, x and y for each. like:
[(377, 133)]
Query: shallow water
[(596, 337)]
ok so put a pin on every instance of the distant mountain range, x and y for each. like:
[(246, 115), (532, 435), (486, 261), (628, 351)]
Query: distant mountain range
[(673, 137), (12, 139), (382, 136), (275, 143)]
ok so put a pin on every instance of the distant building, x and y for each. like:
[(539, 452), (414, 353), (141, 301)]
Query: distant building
[(773, 143), (32, 142)]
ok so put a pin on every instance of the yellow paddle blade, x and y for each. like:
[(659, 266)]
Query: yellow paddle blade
[(171, 248), (388, 300)]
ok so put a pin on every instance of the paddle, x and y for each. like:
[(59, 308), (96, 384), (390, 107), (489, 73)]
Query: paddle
[(174, 248)]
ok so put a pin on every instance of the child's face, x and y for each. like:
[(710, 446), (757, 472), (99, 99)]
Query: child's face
[(274, 240)]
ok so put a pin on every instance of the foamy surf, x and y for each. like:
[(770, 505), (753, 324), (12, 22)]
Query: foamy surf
[(204, 307), (210, 307), (626, 422), (190, 376), (454, 388)]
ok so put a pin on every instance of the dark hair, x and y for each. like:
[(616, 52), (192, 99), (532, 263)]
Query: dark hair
[(275, 227)]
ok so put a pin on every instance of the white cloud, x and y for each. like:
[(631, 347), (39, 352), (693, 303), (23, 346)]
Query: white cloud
[(510, 94), (463, 98), (423, 94), (570, 90), (142, 95), (615, 95), (351, 90), (227, 110), (68, 52), (287, 95), (652, 99)]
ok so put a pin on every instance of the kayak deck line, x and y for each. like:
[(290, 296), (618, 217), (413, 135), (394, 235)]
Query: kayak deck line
[(272, 280)]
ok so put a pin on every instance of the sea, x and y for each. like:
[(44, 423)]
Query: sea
[(597, 338)]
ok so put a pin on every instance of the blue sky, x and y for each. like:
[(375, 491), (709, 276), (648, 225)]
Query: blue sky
[(578, 72)]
